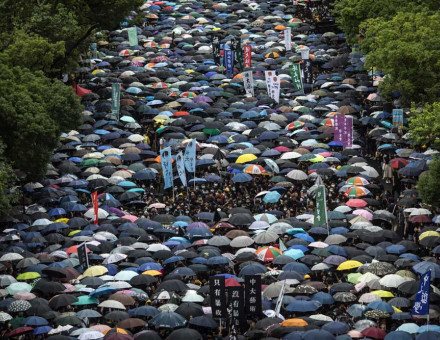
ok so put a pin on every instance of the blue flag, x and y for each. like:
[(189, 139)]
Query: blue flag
[(167, 167), (228, 61), (421, 303), (189, 157), (180, 165)]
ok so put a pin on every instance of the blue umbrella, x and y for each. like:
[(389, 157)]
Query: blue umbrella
[(381, 305), (168, 320), (173, 259), (143, 311), (42, 330), (57, 212), (271, 197), (324, 299), (429, 328), (150, 266), (242, 178), (336, 327), (304, 237), (183, 271), (297, 267), (217, 260), (398, 335), (395, 249), (356, 310), (199, 232), (35, 321), (318, 334), (252, 269), (428, 336), (301, 306), (423, 267)]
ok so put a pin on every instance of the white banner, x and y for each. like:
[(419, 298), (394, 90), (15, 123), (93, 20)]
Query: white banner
[(275, 87), (248, 82), (288, 38), (269, 75)]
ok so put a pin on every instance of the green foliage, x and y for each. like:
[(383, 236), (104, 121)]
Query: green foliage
[(352, 13), (424, 125), (8, 195), (34, 110), (429, 184), (66, 24), (407, 49)]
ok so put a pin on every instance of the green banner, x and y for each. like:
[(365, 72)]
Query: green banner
[(240, 63), (320, 218), (116, 98), (132, 36), (295, 74)]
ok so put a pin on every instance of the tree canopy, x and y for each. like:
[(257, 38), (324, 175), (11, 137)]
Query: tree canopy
[(424, 125), (407, 49), (429, 184)]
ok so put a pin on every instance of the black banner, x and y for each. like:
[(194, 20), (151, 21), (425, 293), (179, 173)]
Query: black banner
[(216, 49), (82, 255), (217, 291), (308, 71), (252, 290), (236, 305)]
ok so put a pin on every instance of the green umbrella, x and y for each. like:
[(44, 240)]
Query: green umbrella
[(28, 276), (90, 162), (212, 132), (85, 300)]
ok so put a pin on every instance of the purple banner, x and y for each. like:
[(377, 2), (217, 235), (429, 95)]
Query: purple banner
[(343, 130)]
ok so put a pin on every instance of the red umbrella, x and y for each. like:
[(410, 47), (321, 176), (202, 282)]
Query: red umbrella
[(231, 282), (356, 203), (19, 331), (398, 163), (375, 333), (420, 219)]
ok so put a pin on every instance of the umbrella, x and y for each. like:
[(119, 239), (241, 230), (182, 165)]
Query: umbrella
[(168, 320)]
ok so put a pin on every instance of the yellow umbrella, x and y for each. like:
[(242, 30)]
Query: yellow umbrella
[(248, 157), (317, 159), (98, 71), (62, 220), (383, 293), (28, 276), (396, 310), (95, 271), (406, 273), (428, 233), (73, 232), (152, 273), (347, 265)]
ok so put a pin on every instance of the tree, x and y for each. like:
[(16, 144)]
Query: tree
[(424, 125), (407, 49), (429, 184), (34, 110), (67, 24), (8, 194), (352, 13)]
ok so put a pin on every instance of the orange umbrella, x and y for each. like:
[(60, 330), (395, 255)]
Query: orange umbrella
[(294, 323), (74, 250), (158, 160)]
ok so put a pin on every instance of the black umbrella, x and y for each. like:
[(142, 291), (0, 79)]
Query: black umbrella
[(189, 310), (185, 334), (63, 300)]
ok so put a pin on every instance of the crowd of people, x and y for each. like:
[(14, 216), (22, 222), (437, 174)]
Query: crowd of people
[(248, 209)]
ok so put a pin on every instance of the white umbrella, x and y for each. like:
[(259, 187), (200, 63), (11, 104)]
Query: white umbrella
[(291, 155), (6, 280), (114, 258), (393, 280), (156, 247), (11, 257), (91, 213), (367, 277), (297, 175), (112, 304), (241, 241), (370, 172), (265, 237), (91, 335), (321, 317)]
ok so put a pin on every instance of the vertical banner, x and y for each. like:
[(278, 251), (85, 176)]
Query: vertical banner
[(228, 61), (397, 117), (421, 303), (248, 82), (252, 289), (247, 51), (343, 130), (239, 55), (308, 71), (320, 217), (189, 157), (217, 292), (288, 38), (280, 299), (216, 49), (236, 305), (82, 255), (180, 165), (132, 36), (94, 196), (93, 51), (295, 74), (269, 75), (167, 167), (116, 100), (276, 84)]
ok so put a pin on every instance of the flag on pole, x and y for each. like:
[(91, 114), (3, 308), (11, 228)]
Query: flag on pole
[(320, 217), (288, 38), (228, 61), (94, 196), (180, 165), (189, 157), (421, 303), (239, 56), (248, 82), (247, 51), (116, 99), (167, 168), (132, 36)]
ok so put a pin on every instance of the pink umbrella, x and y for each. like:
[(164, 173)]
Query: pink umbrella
[(131, 218), (24, 296), (100, 328), (369, 297), (69, 288), (354, 334), (363, 213), (356, 203)]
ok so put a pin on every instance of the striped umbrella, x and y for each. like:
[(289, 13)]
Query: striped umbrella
[(268, 253), (356, 191)]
